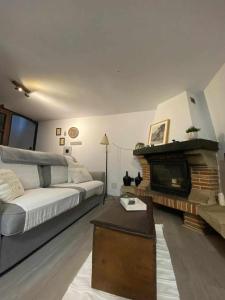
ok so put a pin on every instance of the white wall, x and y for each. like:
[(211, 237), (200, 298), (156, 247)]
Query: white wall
[(177, 110), (123, 130), (200, 116), (215, 97), (183, 114)]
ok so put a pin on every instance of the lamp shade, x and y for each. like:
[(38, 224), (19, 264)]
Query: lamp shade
[(104, 140)]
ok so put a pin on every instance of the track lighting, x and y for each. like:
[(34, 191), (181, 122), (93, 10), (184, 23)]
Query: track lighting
[(21, 88)]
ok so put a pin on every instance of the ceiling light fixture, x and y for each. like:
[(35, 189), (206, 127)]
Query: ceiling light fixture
[(21, 88)]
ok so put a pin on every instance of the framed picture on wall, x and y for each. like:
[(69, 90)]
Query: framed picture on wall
[(61, 141), (159, 132), (58, 131)]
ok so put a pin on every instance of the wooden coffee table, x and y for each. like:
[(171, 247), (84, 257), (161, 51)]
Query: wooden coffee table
[(124, 252)]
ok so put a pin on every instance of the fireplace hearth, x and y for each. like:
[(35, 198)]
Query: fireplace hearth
[(171, 176)]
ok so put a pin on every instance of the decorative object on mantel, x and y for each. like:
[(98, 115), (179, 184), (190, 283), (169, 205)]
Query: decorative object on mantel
[(192, 132), (73, 132), (159, 132), (61, 141), (58, 131), (138, 179), (139, 145), (127, 179), (105, 142)]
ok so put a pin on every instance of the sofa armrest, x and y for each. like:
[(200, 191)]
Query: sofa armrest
[(98, 176)]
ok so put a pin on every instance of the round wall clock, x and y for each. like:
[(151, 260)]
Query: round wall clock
[(73, 132)]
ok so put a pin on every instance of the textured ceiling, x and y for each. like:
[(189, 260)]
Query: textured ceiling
[(95, 57)]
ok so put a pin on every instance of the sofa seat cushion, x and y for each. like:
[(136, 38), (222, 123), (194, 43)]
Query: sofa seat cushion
[(35, 207), (90, 188), (214, 215)]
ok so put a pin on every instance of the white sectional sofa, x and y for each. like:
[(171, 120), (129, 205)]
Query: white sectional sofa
[(50, 203)]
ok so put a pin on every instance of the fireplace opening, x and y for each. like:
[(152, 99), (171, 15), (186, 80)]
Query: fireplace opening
[(170, 176)]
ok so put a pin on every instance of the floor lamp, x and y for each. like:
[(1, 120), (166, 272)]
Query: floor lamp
[(105, 142)]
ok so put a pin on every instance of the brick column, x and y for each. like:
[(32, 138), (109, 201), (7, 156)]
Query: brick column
[(204, 178), (145, 174)]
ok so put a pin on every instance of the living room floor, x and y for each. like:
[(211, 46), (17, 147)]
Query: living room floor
[(198, 261)]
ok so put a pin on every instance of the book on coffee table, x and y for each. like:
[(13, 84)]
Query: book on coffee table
[(133, 204)]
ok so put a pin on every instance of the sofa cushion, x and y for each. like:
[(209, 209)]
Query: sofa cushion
[(35, 207), (27, 174), (10, 185), (59, 174), (72, 164), (91, 188), (80, 174)]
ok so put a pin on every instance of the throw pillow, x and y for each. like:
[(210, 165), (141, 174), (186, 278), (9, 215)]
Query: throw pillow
[(10, 185), (80, 174), (72, 164)]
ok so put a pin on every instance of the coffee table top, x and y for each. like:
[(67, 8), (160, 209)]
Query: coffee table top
[(117, 218)]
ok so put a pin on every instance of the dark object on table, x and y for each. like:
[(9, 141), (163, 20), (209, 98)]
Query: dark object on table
[(138, 179), (131, 202), (127, 179), (124, 252)]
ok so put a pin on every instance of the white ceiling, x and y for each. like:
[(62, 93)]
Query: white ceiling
[(95, 57)]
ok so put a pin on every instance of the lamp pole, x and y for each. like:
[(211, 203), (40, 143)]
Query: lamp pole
[(105, 142), (106, 171)]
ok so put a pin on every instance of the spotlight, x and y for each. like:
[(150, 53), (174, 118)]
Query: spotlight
[(21, 88)]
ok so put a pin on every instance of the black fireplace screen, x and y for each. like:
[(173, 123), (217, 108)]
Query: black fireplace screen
[(170, 176)]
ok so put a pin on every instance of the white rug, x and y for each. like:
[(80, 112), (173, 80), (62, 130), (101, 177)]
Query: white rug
[(80, 288)]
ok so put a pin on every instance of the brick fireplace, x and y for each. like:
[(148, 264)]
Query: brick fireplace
[(200, 156)]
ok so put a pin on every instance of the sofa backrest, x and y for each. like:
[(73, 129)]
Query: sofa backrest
[(59, 174), (35, 169), (28, 174)]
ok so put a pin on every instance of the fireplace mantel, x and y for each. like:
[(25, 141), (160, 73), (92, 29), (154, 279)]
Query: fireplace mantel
[(196, 144)]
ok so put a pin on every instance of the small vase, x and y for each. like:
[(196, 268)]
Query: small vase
[(138, 179), (192, 135), (127, 179)]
